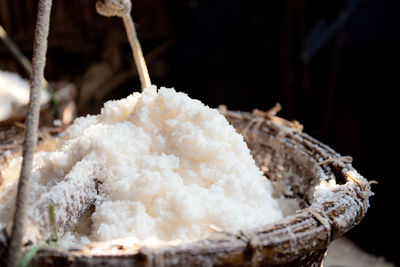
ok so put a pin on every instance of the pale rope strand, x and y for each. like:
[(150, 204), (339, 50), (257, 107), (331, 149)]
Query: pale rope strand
[(122, 8), (32, 121)]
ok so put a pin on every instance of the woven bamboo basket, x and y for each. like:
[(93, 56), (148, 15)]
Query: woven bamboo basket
[(295, 163)]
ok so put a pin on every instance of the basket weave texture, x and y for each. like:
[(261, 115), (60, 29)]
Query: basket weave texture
[(295, 163)]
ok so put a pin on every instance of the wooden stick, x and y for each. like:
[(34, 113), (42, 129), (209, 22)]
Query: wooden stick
[(137, 51), (32, 122), (122, 8)]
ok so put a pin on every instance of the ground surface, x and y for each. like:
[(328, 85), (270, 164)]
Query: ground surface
[(344, 253)]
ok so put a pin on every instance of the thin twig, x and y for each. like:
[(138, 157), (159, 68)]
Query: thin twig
[(32, 121), (25, 63)]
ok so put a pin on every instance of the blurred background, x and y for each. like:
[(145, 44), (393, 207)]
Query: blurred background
[(333, 65)]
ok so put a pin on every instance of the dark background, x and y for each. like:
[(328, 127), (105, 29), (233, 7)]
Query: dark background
[(333, 65)]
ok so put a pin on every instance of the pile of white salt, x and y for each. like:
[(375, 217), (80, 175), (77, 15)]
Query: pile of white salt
[(167, 166), (14, 93)]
